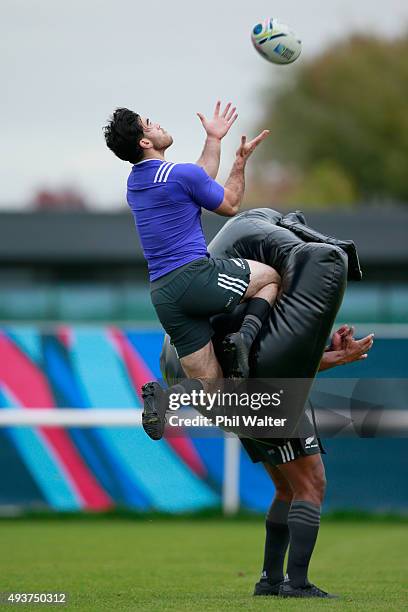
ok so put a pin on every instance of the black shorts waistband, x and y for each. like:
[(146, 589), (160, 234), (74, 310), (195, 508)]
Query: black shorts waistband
[(170, 276)]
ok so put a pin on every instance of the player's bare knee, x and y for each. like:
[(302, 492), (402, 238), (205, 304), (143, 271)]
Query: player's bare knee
[(202, 364), (308, 488), (317, 478), (284, 493), (262, 274), (308, 494), (268, 293), (313, 488)]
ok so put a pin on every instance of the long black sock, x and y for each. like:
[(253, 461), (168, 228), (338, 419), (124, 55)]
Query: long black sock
[(256, 313), (187, 385), (276, 541), (303, 522)]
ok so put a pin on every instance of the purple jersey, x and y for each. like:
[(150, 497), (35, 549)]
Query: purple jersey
[(166, 201)]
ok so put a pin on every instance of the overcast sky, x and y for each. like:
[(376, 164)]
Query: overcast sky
[(66, 65)]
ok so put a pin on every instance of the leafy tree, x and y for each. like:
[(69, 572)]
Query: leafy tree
[(324, 184), (341, 121)]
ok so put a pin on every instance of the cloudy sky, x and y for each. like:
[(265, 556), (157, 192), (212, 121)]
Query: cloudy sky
[(66, 65)]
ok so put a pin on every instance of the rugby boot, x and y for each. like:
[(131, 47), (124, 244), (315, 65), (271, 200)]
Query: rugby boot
[(265, 588), (237, 349), (309, 590), (154, 410)]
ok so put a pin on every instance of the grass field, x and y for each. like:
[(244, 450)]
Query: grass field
[(205, 565)]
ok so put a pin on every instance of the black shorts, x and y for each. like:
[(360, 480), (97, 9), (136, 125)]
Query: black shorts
[(187, 297), (277, 451)]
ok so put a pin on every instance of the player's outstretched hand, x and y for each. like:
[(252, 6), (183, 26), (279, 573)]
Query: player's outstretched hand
[(247, 148), (220, 124), (355, 350), (344, 348), (338, 338), (348, 348)]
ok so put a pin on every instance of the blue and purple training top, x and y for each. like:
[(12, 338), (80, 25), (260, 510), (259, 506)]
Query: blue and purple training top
[(166, 201)]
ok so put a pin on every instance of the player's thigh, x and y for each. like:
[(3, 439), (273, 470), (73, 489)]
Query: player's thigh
[(189, 336), (202, 363), (261, 275)]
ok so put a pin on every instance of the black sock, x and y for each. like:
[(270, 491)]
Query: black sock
[(303, 522), (256, 313), (276, 541), (191, 384), (187, 385)]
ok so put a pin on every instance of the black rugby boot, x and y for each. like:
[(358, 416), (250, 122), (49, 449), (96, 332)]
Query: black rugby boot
[(309, 590), (265, 588), (237, 349), (154, 410)]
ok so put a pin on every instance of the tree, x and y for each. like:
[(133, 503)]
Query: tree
[(344, 114)]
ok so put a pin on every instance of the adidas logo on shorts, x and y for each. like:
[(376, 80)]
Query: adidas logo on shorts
[(286, 452)]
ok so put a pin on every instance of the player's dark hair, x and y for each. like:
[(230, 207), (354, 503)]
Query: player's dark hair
[(123, 134)]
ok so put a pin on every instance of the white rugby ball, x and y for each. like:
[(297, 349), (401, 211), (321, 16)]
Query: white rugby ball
[(276, 42)]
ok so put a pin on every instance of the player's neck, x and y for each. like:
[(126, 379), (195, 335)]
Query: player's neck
[(154, 155)]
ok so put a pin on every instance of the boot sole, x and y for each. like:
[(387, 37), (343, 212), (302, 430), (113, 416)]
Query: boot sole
[(152, 422)]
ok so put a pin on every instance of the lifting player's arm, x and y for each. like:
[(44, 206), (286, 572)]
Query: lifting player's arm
[(235, 186), (216, 128)]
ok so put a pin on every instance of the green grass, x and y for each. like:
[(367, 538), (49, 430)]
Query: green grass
[(198, 565)]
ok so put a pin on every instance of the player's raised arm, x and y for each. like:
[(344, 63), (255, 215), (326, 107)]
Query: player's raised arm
[(216, 128), (235, 185)]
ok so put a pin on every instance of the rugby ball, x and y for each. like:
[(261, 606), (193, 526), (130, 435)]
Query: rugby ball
[(276, 42)]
